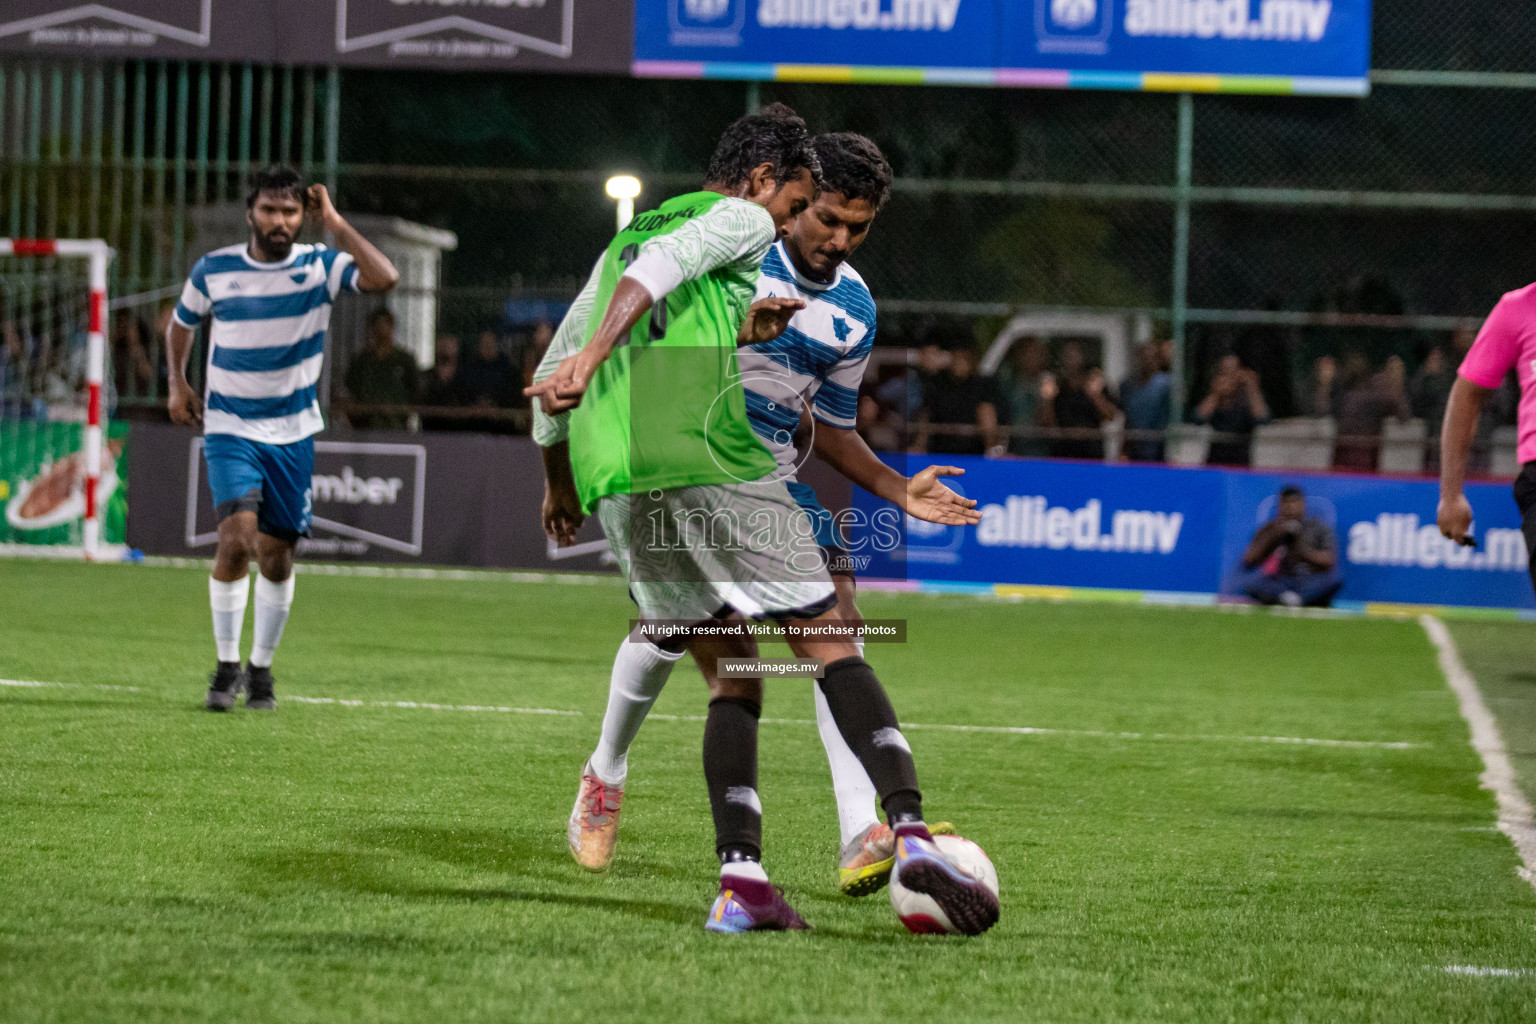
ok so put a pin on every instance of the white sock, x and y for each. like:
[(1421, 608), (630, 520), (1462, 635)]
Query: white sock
[(856, 796), (640, 670), (272, 603), (749, 869), (228, 603)]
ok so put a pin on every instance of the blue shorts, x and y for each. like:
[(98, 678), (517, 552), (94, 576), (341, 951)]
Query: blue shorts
[(827, 536), (272, 480)]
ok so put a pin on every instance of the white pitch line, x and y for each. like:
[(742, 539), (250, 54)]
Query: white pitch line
[(407, 572), (34, 683), (1029, 730), (422, 706), (1488, 972), (1516, 818), (1007, 730)]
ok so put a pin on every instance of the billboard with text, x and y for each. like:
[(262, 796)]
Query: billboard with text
[(1318, 47), (1156, 528), (529, 35)]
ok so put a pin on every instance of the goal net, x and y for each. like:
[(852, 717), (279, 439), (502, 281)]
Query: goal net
[(62, 472)]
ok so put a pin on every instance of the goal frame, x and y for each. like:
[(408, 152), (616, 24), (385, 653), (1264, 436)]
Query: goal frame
[(99, 255)]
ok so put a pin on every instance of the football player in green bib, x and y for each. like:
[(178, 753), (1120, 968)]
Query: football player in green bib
[(642, 417)]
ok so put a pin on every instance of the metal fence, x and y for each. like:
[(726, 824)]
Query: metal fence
[(1298, 226)]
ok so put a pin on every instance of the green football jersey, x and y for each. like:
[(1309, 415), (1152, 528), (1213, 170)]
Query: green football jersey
[(667, 408)]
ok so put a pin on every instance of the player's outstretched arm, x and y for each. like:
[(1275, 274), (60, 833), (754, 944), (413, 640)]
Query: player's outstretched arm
[(923, 496), (374, 271), (563, 389), (1454, 514)]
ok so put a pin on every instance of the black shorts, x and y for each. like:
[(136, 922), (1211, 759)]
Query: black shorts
[(1525, 498), (839, 562)]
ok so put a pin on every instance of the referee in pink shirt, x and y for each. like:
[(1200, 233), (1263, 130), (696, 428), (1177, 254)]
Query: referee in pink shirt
[(1507, 340)]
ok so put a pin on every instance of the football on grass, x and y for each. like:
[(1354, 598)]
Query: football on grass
[(918, 911)]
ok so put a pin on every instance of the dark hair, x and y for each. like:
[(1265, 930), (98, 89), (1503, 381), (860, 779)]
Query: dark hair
[(381, 313), (1292, 491), (276, 178), (854, 166), (774, 135)]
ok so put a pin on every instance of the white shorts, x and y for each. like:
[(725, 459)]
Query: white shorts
[(691, 553)]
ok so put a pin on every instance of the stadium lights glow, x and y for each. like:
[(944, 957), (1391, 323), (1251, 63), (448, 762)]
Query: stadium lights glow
[(622, 189)]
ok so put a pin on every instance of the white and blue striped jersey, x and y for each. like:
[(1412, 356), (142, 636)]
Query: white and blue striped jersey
[(819, 359), (267, 342)]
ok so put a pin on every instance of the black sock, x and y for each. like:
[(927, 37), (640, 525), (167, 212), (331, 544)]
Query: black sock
[(867, 721), (730, 771)]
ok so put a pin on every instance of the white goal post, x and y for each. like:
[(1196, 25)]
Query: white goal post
[(81, 493)]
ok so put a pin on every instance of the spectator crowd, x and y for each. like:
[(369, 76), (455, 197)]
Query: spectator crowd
[(1055, 401), (478, 388)]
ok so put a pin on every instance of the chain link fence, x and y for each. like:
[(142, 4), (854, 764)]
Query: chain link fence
[(1316, 226)]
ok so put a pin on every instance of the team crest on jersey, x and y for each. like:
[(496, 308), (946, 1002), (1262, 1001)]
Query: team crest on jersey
[(840, 328)]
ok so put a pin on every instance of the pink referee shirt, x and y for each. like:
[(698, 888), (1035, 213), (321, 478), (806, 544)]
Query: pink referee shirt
[(1508, 340)]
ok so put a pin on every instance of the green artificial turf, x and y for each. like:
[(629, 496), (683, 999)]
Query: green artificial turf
[(353, 862)]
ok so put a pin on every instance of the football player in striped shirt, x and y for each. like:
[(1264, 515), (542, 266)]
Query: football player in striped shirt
[(269, 301), (815, 365)]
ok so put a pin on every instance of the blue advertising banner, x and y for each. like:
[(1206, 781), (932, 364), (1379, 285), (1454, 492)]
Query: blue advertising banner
[(1316, 47), (1154, 528)]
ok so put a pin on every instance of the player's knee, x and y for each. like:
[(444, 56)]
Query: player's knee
[(236, 548), (274, 558), (742, 689)]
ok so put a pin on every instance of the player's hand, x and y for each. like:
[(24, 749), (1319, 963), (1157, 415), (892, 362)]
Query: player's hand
[(184, 406), (931, 501), (563, 389), (767, 319), (1454, 517), (317, 204), (561, 515)]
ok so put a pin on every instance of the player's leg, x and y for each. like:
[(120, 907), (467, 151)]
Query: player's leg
[(867, 721), (863, 865), (868, 850), (747, 901), (282, 519), (640, 670), (856, 798), (1525, 501), (234, 477)]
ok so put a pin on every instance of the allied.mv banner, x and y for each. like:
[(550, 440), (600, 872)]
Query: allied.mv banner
[(1317, 47)]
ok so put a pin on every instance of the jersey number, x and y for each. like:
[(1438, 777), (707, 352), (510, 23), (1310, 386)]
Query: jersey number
[(627, 256)]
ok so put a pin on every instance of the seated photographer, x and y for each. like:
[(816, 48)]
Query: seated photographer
[(1292, 559)]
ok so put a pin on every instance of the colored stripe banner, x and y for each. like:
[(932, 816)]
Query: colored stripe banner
[(1017, 78)]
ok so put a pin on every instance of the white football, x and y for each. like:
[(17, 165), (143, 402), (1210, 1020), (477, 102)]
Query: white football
[(918, 911)]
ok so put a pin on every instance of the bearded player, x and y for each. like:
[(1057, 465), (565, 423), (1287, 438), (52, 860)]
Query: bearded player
[(661, 447), (814, 367), (269, 300)]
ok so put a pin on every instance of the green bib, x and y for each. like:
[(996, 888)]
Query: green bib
[(667, 408)]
